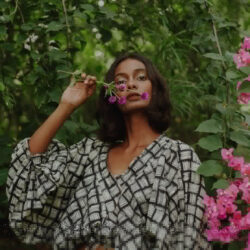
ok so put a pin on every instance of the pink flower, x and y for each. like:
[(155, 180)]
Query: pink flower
[(245, 188), (224, 235), (236, 162), (232, 191), (212, 234), (144, 96), (225, 205), (245, 222), (226, 154), (237, 182), (246, 43), (243, 98), (122, 100), (211, 208), (238, 84), (112, 99), (121, 86), (242, 59), (245, 170)]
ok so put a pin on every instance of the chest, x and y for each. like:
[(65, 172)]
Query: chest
[(118, 161)]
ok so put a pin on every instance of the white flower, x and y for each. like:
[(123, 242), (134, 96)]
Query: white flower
[(94, 30), (42, 25), (27, 46), (100, 3), (98, 36), (51, 42), (99, 53), (52, 48), (32, 38)]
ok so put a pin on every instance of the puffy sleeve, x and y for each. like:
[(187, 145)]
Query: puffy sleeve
[(39, 187), (192, 232)]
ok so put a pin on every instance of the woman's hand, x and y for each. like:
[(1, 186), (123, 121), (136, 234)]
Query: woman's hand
[(74, 96)]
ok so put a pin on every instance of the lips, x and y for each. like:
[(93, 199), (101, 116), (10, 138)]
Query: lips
[(132, 94)]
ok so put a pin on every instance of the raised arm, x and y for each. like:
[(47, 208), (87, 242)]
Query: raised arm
[(72, 98)]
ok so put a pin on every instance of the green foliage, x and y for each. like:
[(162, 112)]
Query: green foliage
[(191, 43), (210, 168)]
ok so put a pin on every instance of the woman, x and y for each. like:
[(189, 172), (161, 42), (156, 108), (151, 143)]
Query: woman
[(131, 187)]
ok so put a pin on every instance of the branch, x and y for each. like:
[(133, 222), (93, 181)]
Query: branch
[(13, 12), (216, 35), (67, 24)]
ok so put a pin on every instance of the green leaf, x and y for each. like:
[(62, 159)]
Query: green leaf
[(240, 138), (3, 199), (27, 26), (210, 143), (5, 154), (210, 126), (245, 70), (55, 95), (236, 245), (57, 55), (230, 75), (2, 87), (3, 32), (244, 87), (221, 108), (108, 12), (32, 78), (106, 35), (214, 56), (210, 168), (70, 125), (221, 183), (3, 175), (88, 7), (54, 26)]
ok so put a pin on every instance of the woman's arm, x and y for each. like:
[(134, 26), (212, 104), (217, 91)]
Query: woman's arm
[(72, 98), (40, 140)]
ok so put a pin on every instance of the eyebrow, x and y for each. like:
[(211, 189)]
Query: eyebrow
[(136, 70)]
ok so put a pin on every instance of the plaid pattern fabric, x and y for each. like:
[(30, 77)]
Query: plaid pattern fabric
[(67, 197)]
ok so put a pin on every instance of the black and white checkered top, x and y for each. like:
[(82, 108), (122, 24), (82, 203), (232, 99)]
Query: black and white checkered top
[(67, 197)]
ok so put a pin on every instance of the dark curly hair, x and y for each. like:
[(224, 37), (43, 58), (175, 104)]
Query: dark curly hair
[(158, 112)]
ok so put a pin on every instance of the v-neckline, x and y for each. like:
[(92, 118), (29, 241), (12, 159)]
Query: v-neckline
[(132, 162)]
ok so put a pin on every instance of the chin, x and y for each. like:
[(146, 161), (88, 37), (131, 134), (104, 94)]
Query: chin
[(133, 107)]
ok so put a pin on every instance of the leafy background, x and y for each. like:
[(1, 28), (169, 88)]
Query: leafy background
[(182, 38)]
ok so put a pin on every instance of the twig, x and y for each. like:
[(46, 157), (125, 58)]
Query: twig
[(67, 24), (216, 35), (13, 12), (66, 16), (224, 68)]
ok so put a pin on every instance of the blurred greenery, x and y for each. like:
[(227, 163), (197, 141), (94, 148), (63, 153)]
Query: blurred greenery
[(38, 38)]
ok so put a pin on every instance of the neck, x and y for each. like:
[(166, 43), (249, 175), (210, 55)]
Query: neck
[(139, 132)]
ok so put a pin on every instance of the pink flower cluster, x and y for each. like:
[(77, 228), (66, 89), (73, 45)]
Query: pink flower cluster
[(122, 100), (242, 59), (224, 218), (243, 98), (237, 163)]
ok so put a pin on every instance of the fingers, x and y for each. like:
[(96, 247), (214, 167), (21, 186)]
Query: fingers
[(90, 80), (86, 80)]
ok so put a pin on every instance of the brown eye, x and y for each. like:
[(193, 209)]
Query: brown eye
[(142, 77), (120, 82)]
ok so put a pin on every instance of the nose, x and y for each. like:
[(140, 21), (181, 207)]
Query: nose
[(131, 84)]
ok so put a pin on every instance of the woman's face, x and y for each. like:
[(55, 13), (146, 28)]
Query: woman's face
[(133, 74)]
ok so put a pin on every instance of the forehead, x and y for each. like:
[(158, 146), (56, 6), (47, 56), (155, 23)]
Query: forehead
[(129, 65)]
